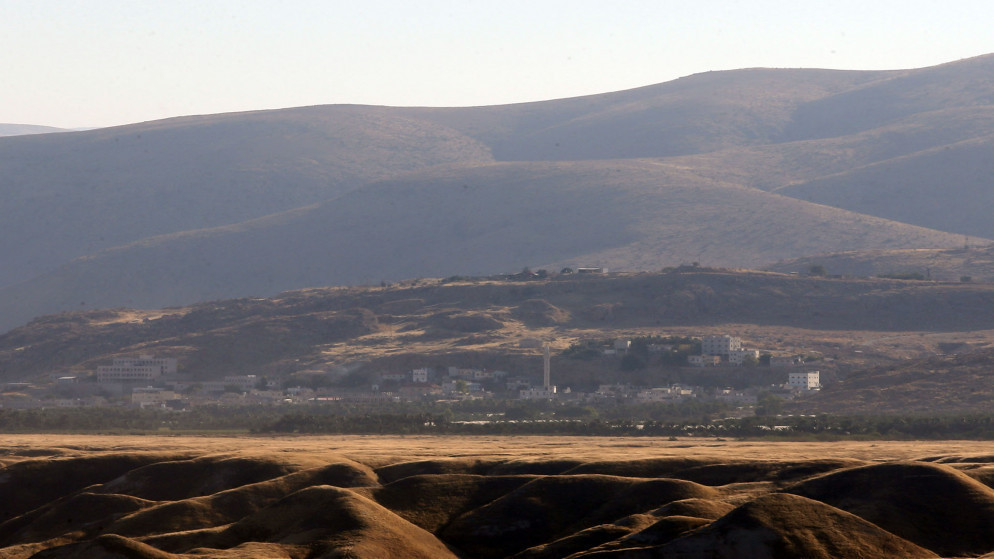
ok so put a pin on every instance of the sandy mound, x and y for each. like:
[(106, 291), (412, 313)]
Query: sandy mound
[(109, 547), (551, 507), (182, 479), (649, 467), (228, 506), (298, 498), (326, 518), (574, 543), (934, 506), (432, 501), (697, 508), (84, 514), (781, 526), (30, 484), (393, 472), (546, 467), (761, 470)]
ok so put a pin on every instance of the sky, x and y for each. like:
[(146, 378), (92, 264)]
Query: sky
[(95, 63)]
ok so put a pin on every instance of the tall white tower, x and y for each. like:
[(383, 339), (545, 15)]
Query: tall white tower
[(547, 363)]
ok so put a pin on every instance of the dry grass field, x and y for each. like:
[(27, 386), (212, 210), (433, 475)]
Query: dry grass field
[(524, 497)]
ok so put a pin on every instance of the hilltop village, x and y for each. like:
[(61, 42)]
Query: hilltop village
[(148, 381)]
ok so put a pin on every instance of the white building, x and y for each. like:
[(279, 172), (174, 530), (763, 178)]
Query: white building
[(145, 368), (419, 375), (739, 356), (243, 383), (809, 380), (720, 345)]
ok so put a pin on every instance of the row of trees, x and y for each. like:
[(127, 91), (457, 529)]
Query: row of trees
[(645, 420)]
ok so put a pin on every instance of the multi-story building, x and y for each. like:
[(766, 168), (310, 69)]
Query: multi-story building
[(720, 345), (145, 368), (739, 356), (809, 380)]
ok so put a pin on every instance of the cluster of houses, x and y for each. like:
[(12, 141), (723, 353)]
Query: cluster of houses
[(149, 381)]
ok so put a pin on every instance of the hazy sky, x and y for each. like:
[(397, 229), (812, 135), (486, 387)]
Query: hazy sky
[(103, 62)]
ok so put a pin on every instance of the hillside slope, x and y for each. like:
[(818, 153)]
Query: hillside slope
[(68, 195), (193, 208), (969, 263), (476, 220), (324, 328)]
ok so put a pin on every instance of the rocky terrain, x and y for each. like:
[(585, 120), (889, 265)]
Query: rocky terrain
[(526, 497)]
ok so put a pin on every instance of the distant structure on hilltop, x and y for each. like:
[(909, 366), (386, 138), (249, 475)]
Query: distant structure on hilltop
[(141, 369)]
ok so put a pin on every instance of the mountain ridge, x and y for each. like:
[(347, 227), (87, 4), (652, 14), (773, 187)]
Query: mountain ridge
[(745, 133)]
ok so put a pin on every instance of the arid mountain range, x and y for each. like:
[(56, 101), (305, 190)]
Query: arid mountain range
[(491, 498), (741, 168)]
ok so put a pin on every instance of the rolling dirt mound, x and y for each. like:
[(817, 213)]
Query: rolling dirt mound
[(783, 526), (110, 546), (29, 484), (85, 513), (553, 506), (393, 472), (934, 506), (557, 501), (330, 518), (432, 501), (232, 504), (580, 541), (649, 467), (771, 470), (171, 481), (712, 472)]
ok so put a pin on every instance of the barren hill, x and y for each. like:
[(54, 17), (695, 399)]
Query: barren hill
[(709, 168), (69, 195), (475, 220), (499, 497), (482, 322)]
